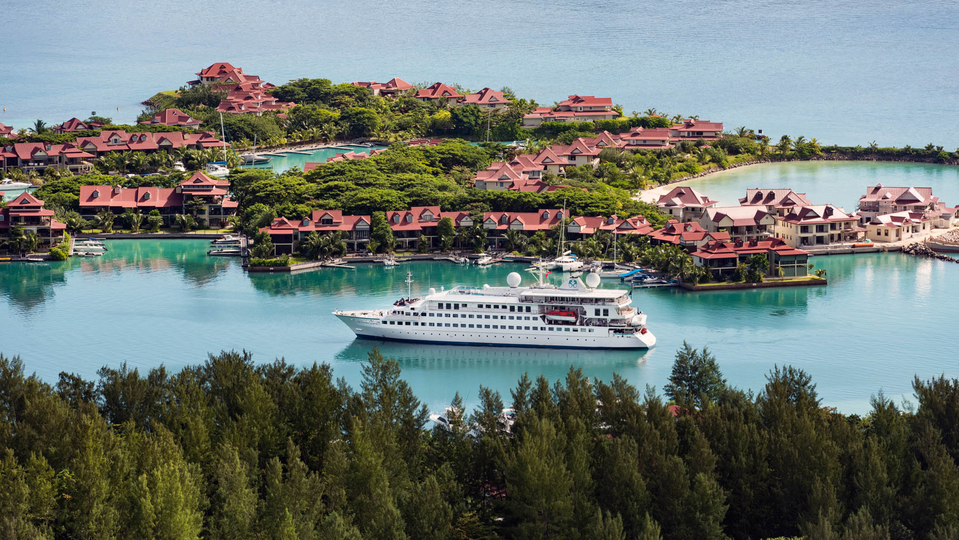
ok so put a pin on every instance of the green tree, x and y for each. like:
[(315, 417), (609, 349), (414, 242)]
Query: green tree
[(262, 246), (381, 233), (104, 221), (154, 220), (696, 380), (446, 232)]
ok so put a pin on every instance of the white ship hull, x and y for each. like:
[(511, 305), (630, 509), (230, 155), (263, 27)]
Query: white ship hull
[(369, 324)]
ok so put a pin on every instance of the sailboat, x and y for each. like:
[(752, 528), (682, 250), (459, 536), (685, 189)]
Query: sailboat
[(565, 261)]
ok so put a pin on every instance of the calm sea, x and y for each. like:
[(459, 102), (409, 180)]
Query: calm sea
[(844, 72), (883, 318)]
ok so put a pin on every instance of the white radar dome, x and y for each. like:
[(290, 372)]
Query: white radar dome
[(513, 279), (485, 286), (592, 280), (432, 291)]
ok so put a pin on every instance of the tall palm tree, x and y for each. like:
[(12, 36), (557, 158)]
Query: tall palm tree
[(741, 131), (135, 219), (313, 245), (185, 222), (104, 221), (40, 127), (30, 242), (785, 143)]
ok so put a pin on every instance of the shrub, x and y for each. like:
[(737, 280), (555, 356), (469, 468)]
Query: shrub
[(283, 260)]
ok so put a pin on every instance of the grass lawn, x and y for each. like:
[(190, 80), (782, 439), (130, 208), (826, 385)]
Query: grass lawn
[(775, 280)]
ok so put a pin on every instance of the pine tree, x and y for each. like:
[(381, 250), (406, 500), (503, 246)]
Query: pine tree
[(605, 527), (649, 530), (428, 516), (695, 380), (538, 482), (235, 501), (334, 527)]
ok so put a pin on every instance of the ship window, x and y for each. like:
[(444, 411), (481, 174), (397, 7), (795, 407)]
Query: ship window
[(566, 329), (448, 306), (471, 316), (471, 326), (605, 312), (550, 328), (384, 322), (392, 322), (526, 328), (487, 326), (590, 329), (486, 317), (447, 325), (407, 323), (511, 317), (456, 306), (455, 325), (512, 309), (510, 327), (456, 316), (431, 324), (496, 327), (596, 312), (527, 309), (575, 329)]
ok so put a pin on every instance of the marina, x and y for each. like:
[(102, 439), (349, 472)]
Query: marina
[(177, 287)]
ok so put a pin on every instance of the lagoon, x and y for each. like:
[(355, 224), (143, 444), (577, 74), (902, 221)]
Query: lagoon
[(882, 319), (284, 160)]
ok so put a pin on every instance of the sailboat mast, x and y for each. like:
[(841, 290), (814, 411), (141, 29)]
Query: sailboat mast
[(223, 136)]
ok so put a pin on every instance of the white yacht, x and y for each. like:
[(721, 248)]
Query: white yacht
[(575, 314), (566, 262), (217, 169), (12, 185)]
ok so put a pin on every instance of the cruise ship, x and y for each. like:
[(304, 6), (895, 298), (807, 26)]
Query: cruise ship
[(576, 314)]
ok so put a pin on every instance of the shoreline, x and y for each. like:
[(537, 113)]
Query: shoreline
[(651, 195)]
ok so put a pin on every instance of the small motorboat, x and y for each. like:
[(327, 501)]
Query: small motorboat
[(461, 260), (178, 166), (12, 185), (485, 260), (224, 252), (87, 254), (217, 169), (226, 240), (559, 315), (390, 262)]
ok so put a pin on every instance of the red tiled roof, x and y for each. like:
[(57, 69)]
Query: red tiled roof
[(899, 195), (823, 213), (486, 96), (586, 101), (778, 198), (683, 196), (542, 219), (438, 91), (173, 117)]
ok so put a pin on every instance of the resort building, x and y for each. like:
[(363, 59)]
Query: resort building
[(604, 139), (75, 124), (579, 228), (6, 132), (438, 91), (688, 235), (390, 88), (777, 202), (685, 204), (173, 117), (497, 223), (743, 223), (487, 98), (521, 174), (898, 226), (224, 74), (575, 109), (121, 141), (818, 226), (39, 156), (422, 221), (722, 257), (578, 153), (551, 162), (27, 211), (200, 193), (880, 200), (286, 233), (250, 98), (647, 139), (693, 130), (424, 142)]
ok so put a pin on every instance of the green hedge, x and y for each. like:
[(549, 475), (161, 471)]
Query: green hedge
[(283, 260)]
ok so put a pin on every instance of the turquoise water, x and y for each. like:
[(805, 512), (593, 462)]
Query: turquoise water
[(282, 161), (882, 319), (844, 72), (835, 182), (14, 193)]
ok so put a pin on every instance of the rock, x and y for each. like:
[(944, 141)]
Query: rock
[(921, 250)]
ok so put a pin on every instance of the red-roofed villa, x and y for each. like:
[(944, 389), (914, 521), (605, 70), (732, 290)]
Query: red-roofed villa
[(28, 212), (173, 117)]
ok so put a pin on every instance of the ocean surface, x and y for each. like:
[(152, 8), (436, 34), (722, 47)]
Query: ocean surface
[(882, 319), (843, 72)]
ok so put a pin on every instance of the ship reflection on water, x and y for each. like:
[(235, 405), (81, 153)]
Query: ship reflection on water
[(498, 368)]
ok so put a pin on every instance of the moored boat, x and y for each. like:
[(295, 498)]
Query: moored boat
[(576, 314)]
